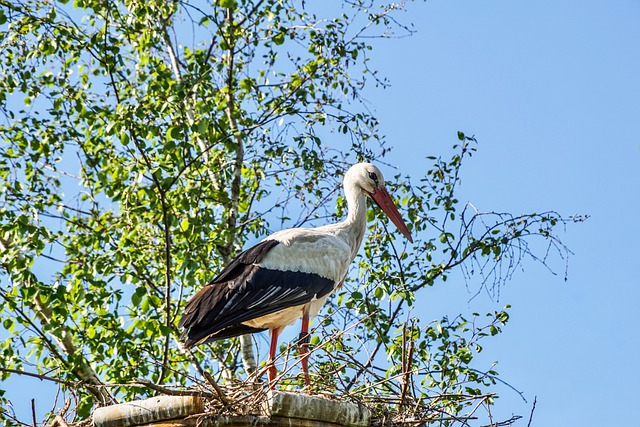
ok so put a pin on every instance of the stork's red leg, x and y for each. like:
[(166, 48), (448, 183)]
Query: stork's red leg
[(303, 346), (272, 371)]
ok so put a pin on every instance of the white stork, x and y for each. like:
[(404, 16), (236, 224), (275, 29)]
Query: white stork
[(290, 274)]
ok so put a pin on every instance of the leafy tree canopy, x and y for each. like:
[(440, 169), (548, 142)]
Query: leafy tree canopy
[(145, 142)]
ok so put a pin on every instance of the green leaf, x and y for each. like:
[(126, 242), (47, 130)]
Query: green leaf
[(91, 332), (174, 133), (228, 4), (278, 38), (371, 215), (137, 296)]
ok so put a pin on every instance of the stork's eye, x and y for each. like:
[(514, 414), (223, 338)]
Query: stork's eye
[(373, 177)]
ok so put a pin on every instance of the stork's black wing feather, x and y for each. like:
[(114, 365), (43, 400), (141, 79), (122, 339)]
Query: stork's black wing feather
[(245, 291), (219, 286), (250, 256)]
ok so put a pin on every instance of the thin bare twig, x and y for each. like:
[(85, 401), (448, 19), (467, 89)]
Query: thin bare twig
[(533, 408), (170, 391), (508, 422), (210, 380)]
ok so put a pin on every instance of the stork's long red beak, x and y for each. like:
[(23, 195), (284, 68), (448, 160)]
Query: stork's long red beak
[(384, 200)]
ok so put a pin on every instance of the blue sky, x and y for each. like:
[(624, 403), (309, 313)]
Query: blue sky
[(551, 90)]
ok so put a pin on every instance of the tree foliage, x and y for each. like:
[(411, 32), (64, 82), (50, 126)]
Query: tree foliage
[(145, 142)]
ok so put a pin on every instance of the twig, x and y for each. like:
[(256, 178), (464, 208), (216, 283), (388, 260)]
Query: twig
[(166, 390), (406, 363), (58, 421), (508, 422), (210, 380), (33, 412), (39, 376), (533, 408), (493, 377)]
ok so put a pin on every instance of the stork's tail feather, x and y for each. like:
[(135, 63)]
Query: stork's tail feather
[(196, 336)]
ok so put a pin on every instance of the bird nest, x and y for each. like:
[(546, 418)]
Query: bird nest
[(255, 401)]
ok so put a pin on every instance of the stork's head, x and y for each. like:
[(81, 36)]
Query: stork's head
[(367, 178)]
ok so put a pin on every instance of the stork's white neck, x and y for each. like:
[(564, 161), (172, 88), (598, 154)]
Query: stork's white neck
[(351, 230), (353, 227)]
